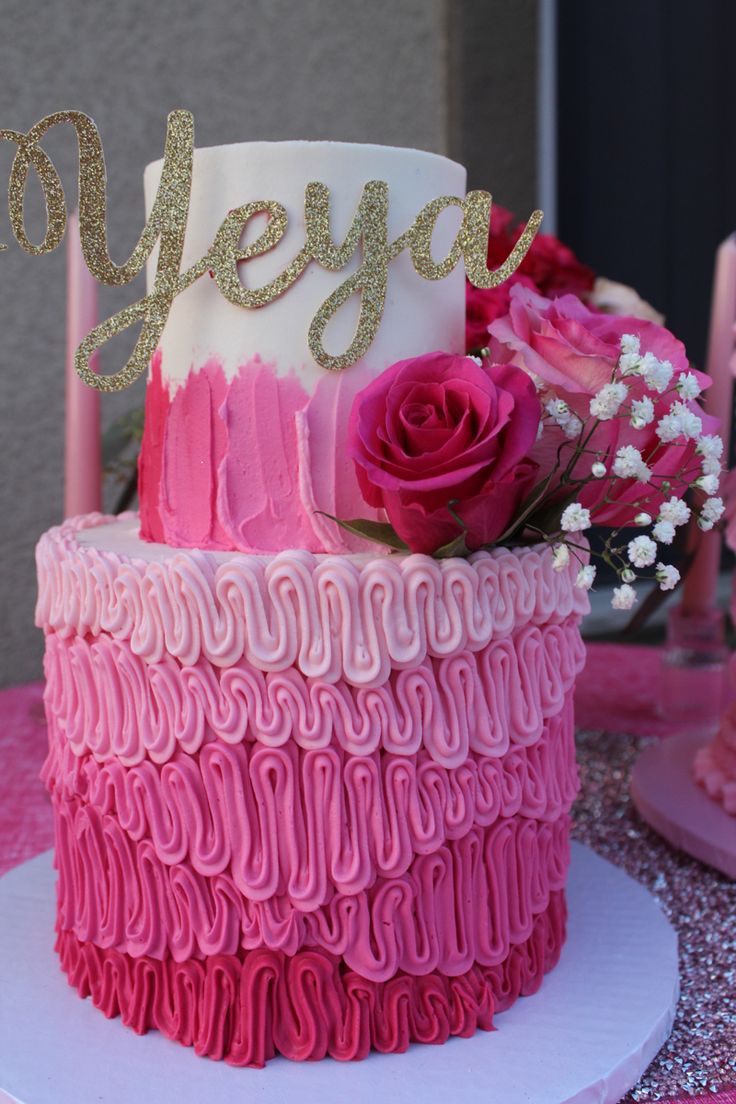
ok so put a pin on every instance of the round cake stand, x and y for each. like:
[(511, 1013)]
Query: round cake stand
[(586, 1036), (670, 800)]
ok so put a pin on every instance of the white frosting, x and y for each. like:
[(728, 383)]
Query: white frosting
[(419, 316)]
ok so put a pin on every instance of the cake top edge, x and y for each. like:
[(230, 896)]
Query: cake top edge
[(328, 147)]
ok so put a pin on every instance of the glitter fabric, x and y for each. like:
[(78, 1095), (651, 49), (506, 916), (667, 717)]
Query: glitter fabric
[(699, 1058)]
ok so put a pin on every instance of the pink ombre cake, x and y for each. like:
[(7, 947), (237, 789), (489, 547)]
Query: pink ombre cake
[(310, 798)]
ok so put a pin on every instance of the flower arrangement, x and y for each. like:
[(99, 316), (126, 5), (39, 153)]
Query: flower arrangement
[(562, 416)]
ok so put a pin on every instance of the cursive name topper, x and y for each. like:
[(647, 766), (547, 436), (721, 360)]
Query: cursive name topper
[(167, 224)]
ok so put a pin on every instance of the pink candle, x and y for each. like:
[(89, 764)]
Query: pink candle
[(699, 588), (82, 474)]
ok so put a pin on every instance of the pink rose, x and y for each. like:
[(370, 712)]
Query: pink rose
[(549, 267), (485, 305), (441, 429), (574, 351)]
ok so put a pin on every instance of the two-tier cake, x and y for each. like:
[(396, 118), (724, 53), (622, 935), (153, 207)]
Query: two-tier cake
[(311, 798)]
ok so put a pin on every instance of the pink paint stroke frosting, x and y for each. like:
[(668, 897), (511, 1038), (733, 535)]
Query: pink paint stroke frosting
[(108, 701), (245, 1009), (351, 618), (308, 824), (468, 901), (230, 464)]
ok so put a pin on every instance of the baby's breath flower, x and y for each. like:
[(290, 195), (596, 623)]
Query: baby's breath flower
[(630, 344), (675, 511), (643, 518), (642, 412), (572, 426), (629, 364), (657, 373), (560, 557), (668, 428), (710, 446), (575, 518), (687, 386), (708, 483), (692, 425), (642, 551), (664, 532), (628, 463), (598, 470), (607, 402), (627, 575), (560, 413), (667, 576), (624, 597), (680, 422), (557, 410), (585, 577), (711, 513), (711, 466)]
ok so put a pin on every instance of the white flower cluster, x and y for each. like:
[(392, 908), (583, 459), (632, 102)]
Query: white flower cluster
[(563, 416), (629, 464), (642, 412), (575, 518), (680, 423), (657, 374), (607, 402), (711, 513)]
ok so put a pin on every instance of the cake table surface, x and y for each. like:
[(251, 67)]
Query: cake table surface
[(700, 1057)]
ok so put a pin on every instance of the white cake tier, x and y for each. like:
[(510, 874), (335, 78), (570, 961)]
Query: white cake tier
[(419, 316)]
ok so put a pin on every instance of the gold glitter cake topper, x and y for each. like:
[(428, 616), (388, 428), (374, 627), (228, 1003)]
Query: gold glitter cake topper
[(167, 224)]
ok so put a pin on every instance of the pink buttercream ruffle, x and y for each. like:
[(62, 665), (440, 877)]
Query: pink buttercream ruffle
[(468, 901), (247, 1008), (307, 824), (308, 804), (331, 617), (110, 702)]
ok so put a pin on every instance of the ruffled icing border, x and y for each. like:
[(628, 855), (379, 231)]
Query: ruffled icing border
[(245, 1009), (110, 702), (332, 617), (468, 901), (312, 823)]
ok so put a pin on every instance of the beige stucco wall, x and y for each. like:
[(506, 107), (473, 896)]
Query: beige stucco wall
[(435, 74)]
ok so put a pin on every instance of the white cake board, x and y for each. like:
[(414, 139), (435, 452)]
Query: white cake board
[(586, 1037), (670, 800)]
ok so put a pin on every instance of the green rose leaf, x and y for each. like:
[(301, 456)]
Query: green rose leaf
[(378, 531)]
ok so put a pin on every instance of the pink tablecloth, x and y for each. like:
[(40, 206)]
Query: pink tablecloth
[(25, 814)]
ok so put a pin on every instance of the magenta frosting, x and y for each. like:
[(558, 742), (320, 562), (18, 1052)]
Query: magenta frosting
[(245, 1009)]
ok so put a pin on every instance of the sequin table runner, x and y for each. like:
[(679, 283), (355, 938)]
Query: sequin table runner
[(614, 698)]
